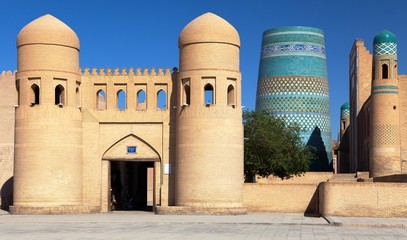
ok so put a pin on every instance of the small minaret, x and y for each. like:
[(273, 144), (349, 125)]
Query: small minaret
[(345, 118), (385, 108), (209, 129), (48, 136)]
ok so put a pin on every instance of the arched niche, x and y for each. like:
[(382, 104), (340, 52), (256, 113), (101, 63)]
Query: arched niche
[(119, 151)]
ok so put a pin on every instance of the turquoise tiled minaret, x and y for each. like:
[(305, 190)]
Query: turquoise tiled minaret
[(293, 85), (345, 110), (384, 137), (345, 119)]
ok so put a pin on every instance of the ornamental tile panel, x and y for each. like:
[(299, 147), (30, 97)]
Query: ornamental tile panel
[(385, 48)]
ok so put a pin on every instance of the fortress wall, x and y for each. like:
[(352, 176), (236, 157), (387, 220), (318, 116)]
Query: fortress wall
[(91, 161), (8, 98), (363, 199), (102, 128), (131, 81), (285, 198), (308, 177), (349, 199)]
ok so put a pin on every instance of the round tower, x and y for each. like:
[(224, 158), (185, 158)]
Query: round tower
[(209, 135), (293, 85), (345, 118), (48, 137), (385, 122)]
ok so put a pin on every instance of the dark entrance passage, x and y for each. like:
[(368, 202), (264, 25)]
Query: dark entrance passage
[(131, 185)]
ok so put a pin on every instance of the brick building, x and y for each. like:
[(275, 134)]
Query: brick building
[(375, 141)]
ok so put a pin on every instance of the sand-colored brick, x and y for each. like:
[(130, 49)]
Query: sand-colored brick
[(365, 199)]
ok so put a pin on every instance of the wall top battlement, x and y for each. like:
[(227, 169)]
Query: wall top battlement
[(126, 72), (9, 73)]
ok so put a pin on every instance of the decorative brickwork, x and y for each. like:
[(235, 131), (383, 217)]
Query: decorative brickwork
[(385, 134)]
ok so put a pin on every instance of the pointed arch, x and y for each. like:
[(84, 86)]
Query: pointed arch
[(59, 95), (141, 100), (35, 94), (121, 100), (209, 94), (385, 71), (101, 100), (187, 95), (149, 149), (231, 95), (161, 100)]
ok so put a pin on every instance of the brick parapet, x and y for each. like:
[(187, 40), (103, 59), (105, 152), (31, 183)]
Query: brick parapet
[(363, 199), (126, 72)]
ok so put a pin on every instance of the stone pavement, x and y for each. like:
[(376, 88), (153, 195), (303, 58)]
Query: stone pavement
[(143, 225)]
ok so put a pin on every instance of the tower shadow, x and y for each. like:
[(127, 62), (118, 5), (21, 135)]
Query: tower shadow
[(321, 162)]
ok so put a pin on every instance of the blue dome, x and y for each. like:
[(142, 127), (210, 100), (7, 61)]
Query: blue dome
[(345, 110), (345, 106), (385, 37)]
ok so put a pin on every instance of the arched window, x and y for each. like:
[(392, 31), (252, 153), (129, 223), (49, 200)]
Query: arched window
[(121, 100), (208, 94), (101, 100), (385, 71), (161, 100), (187, 95), (231, 95), (141, 100), (59, 95), (35, 94)]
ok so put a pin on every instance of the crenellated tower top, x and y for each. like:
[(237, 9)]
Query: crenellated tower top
[(7, 74), (126, 72)]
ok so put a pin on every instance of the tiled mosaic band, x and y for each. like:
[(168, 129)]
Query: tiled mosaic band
[(297, 49), (386, 48), (385, 89)]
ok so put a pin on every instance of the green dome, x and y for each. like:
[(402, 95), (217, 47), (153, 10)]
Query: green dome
[(345, 106), (385, 37)]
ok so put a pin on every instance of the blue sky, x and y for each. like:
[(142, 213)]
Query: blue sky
[(126, 33)]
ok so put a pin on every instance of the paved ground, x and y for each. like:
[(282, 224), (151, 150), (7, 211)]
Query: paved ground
[(141, 225)]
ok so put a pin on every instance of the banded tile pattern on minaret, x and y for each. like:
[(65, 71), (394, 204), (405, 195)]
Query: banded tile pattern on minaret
[(293, 85)]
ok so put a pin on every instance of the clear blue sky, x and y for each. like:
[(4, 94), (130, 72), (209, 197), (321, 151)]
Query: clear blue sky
[(144, 33)]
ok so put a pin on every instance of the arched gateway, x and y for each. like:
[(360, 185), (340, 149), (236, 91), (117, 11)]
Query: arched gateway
[(130, 174)]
